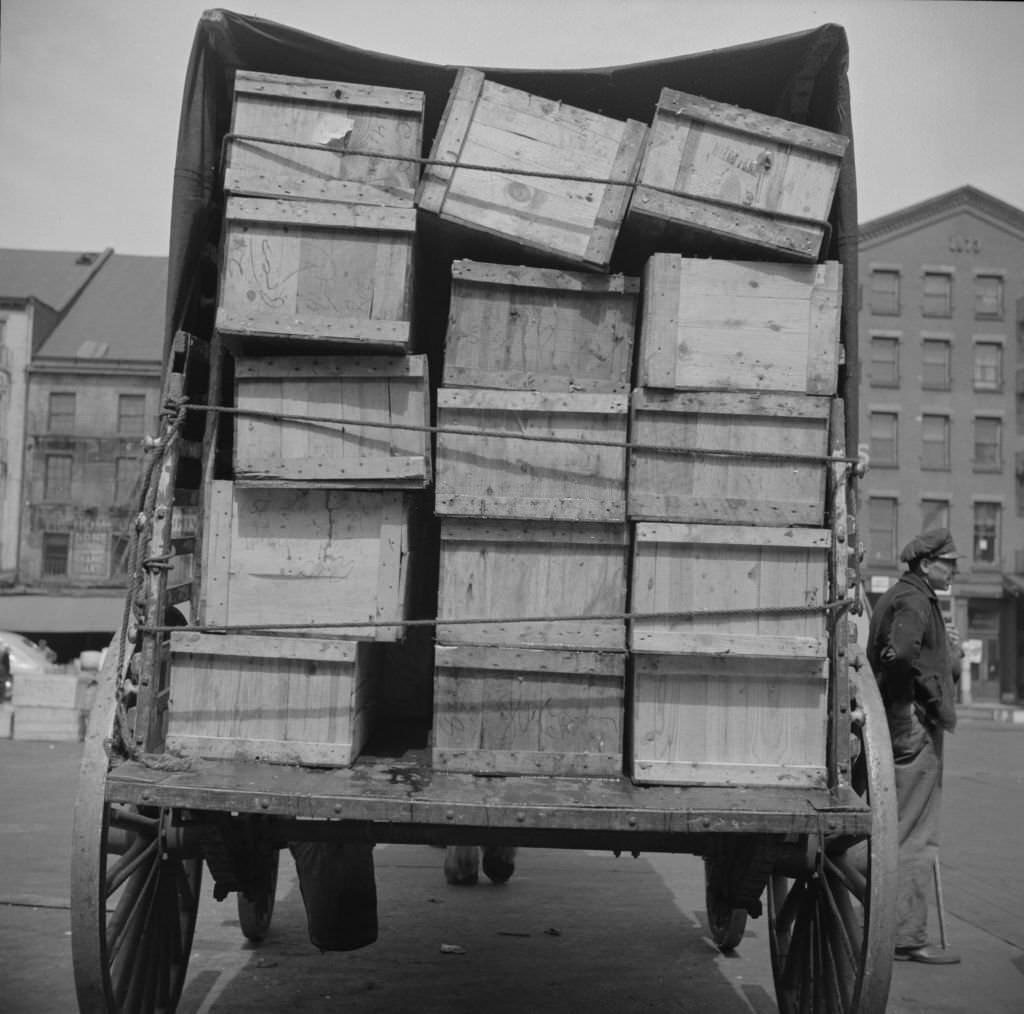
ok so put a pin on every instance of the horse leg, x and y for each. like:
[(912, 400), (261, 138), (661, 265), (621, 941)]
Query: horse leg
[(462, 865)]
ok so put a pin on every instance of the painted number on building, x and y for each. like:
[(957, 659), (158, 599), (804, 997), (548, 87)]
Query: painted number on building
[(964, 244)]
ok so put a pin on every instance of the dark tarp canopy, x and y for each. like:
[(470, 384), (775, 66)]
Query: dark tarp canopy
[(800, 77)]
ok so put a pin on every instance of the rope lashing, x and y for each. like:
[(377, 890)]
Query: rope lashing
[(506, 170), (627, 445), (678, 615)]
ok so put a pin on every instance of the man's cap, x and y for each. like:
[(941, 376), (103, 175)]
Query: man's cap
[(936, 543)]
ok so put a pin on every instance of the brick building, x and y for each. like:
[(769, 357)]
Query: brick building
[(942, 284), (91, 393)]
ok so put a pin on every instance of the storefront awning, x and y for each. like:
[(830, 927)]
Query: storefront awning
[(61, 614)]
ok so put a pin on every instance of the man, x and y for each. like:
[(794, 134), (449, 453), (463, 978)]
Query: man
[(909, 653)]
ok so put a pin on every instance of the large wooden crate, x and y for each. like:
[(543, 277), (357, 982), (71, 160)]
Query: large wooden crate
[(730, 589), (357, 400), (51, 707), (307, 556), (572, 213), (317, 272), (518, 576), (509, 710), (721, 457), (531, 454), (716, 172), (342, 135), (739, 325), (285, 700), (723, 719), (540, 329)]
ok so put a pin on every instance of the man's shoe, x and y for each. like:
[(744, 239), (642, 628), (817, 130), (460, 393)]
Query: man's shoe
[(927, 955)]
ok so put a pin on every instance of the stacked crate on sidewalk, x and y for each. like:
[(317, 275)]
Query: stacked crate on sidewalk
[(531, 492), (727, 490), (312, 534)]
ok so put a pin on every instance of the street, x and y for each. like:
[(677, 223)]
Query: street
[(572, 930)]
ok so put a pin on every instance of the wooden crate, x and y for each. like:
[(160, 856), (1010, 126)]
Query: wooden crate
[(739, 325), (712, 171), (316, 272), (575, 217), (502, 710), (716, 720), (502, 572), (540, 329), (710, 456), (762, 590), (357, 397), (285, 700), (343, 119), (492, 468), (307, 556)]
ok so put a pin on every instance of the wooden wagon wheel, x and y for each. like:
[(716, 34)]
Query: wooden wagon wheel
[(134, 888), (256, 908), (725, 923), (832, 928)]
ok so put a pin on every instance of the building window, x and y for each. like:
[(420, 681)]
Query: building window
[(55, 553), (885, 291), (986, 532), (119, 546), (988, 297), (934, 514), (126, 472), (882, 512), (61, 413), (938, 294), (935, 442), (988, 366), (884, 438), (885, 361), (988, 438), (936, 360), (131, 414), (57, 477)]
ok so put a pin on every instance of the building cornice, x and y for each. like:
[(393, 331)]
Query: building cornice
[(114, 368), (970, 198)]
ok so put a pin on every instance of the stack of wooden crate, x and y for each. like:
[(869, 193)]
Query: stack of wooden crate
[(313, 526), (531, 489), (730, 425)]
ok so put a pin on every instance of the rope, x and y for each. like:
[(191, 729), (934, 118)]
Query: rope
[(509, 171), (583, 441), (700, 614)]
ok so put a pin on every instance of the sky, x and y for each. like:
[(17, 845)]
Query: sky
[(90, 90)]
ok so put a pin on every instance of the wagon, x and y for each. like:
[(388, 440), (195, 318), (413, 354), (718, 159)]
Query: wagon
[(229, 724)]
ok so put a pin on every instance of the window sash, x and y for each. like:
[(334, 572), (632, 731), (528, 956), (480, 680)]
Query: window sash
[(986, 532), (934, 442), (882, 529), (988, 442), (57, 477), (884, 438), (885, 361), (988, 296), (988, 366), (936, 358), (934, 514), (885, 291), (56, 550), (937, 294), (60, 417), (131, 414)]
